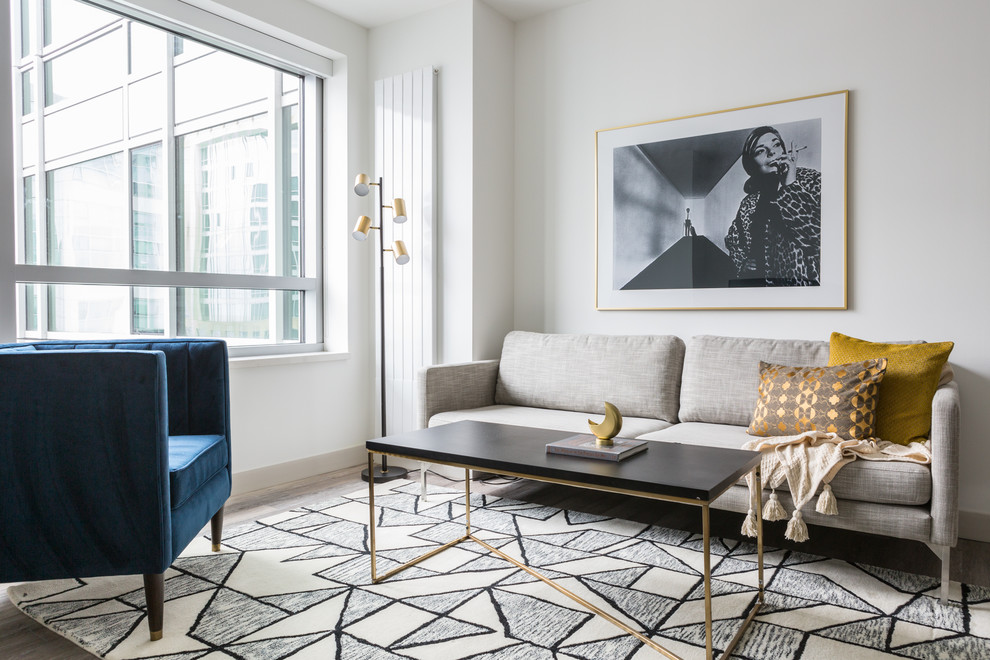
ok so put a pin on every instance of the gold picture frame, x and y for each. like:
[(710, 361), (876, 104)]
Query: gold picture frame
[(733, 209)]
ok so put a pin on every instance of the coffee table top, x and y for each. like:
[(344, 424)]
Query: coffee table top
[(666, 468)]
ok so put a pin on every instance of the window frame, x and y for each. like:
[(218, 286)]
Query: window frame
[(217, 32)]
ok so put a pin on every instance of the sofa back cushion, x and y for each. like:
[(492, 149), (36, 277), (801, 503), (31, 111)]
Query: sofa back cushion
[(721, 379), (640, 374)]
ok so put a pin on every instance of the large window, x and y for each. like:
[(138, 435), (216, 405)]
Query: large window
[(165, 185)]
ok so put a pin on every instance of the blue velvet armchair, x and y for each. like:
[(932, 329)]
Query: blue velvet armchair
[(113, 457)]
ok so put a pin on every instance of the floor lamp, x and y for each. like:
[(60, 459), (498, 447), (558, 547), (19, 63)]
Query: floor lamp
[(362, 186)]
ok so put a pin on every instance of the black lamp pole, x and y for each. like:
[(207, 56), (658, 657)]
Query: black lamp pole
[(383, 473)]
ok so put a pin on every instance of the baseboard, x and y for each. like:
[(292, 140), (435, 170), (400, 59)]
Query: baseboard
[(274, 475), (974, 525)]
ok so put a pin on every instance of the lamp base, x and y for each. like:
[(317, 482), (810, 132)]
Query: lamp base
[(393, 472)]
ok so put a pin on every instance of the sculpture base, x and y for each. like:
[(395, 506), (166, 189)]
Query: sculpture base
[(393, 472)]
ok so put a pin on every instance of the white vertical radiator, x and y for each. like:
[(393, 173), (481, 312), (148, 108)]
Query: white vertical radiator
[(405, 159)]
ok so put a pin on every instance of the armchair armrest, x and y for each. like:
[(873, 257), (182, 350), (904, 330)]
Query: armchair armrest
[(944, 440), (444, 387), (83, 464)]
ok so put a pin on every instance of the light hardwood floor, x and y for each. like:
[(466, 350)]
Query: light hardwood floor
[(23, 639)]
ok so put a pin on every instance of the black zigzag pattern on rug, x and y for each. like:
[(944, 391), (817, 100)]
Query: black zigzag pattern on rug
[(299, 585)]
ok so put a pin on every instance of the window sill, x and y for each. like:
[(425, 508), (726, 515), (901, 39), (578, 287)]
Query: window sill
[(252, 361)]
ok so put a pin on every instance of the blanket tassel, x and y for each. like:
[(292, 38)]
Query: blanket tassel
[(773, 510), (797, 530), (826, 502), (749, 525)]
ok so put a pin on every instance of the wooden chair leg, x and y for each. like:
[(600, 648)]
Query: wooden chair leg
[(154, 596), (216, 529)]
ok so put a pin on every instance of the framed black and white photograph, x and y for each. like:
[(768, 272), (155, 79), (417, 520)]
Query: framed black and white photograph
[(741, 208)]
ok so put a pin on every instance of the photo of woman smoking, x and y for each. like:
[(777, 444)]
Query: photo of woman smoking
[(775, 238)]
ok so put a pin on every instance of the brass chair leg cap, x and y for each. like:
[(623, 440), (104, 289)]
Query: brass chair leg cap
[(156, 635), (216, 547)]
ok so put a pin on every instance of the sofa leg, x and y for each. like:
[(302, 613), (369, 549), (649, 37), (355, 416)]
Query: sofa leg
[(422, 480), (216, 529), (943, 553), (154, 596)]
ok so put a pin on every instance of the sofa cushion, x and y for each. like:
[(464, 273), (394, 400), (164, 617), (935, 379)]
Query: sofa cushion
[(542, 418), (640, 374), (880, 482), (841, 399), (913, 372), (722, 374), (192, 461)]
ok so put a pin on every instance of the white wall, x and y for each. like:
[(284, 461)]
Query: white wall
[(919, 135), (494, 102), (468, 42), (442, 39)]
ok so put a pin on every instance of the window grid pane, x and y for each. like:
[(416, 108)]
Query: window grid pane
[(87, 222), (237, 196)]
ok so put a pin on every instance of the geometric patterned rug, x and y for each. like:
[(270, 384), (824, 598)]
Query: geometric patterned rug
[(298, 585)]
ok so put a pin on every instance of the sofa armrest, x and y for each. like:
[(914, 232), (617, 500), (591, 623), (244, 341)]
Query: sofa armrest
[(444, 387), (944, 440)]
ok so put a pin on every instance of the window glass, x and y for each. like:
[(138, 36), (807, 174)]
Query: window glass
[(146, 105), (150, 306), (102, 117), (148, 209), (32, 243), (67, 20), (186, 49), (115, 187), (87, 214), (290, 83), (27, 92), (76, 75), (29, 300), (218, 81), (86, 309), (290, 171), (223, 195), (29, 19), (238, 315), (147, 49), (29, 143)]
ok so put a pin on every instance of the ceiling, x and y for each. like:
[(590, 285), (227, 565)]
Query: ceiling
[(372, 13)]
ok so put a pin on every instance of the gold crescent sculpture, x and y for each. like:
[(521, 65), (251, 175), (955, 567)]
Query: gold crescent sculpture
[(609, 427)]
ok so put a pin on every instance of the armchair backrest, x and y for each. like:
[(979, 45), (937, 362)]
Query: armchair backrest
[(197, 375)]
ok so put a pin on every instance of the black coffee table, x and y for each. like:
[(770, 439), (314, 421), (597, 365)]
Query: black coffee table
[(666, 471)]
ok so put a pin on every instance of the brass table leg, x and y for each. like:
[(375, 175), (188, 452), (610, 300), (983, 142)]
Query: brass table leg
[(759, 568), (706, 540), (371, 511)]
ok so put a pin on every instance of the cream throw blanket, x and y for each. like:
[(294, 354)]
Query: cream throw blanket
[(807, 461)]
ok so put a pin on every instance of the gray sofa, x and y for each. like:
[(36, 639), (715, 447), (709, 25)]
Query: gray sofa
[(700, 392)]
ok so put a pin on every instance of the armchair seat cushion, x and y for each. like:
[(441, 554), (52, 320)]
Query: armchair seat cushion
[(192, 461)]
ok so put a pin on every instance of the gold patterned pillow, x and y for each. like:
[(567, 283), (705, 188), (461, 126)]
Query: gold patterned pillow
[(913, 374), (840, 399)]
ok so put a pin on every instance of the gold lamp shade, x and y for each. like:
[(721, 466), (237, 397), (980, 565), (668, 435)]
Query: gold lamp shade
[(399, 210), (361, 228), (400, 253), (362, 185)]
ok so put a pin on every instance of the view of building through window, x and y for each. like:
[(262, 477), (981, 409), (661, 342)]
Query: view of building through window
[(157, 156)]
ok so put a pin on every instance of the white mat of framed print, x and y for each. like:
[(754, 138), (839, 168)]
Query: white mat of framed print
[(740, 208)]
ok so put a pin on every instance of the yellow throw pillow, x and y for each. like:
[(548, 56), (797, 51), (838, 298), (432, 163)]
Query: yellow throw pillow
[(913, 371), (838, 399)]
